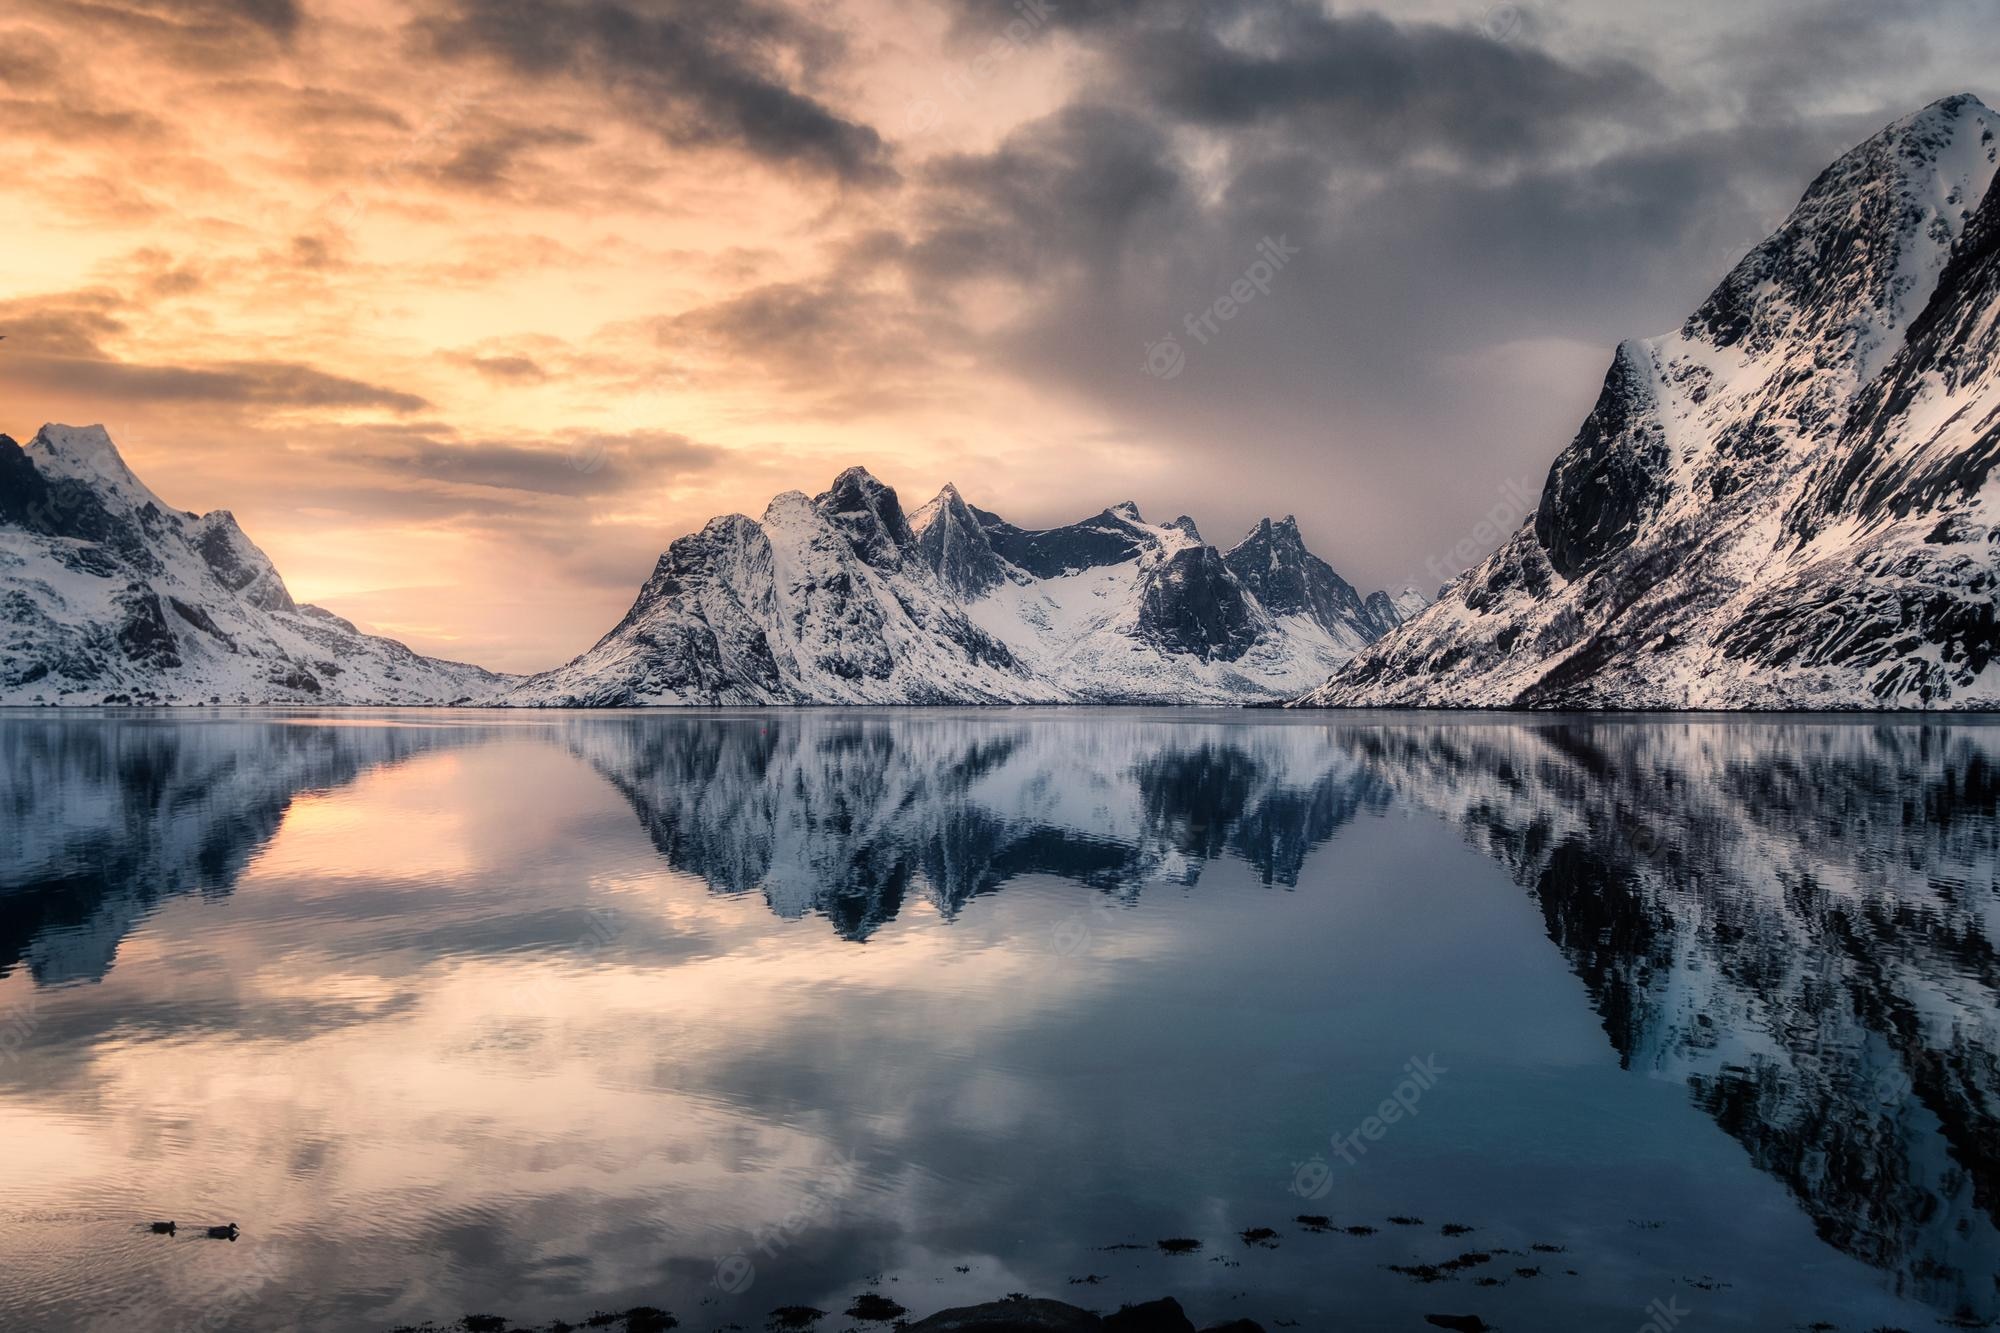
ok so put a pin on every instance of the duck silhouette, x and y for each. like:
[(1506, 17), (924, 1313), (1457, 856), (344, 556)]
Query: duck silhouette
[(228, 1232), (163, 1228)]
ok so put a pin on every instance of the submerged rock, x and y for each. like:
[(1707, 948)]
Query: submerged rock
[(1017, 1315), (1162, 1316)]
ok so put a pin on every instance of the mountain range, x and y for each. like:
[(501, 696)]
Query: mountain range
[(1787, 503), (110, 596)]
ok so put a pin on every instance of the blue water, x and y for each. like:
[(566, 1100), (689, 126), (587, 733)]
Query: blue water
[(543, 1014)]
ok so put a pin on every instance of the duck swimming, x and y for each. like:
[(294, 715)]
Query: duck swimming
[(163, 1228), (229, 1232)]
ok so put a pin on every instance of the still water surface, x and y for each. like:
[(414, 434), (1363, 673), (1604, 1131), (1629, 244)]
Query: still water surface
[(721, 1012)]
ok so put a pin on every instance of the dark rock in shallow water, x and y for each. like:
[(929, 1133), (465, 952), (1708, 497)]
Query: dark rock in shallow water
[(1012, 1316), (1161, 1316), (871, 1307)]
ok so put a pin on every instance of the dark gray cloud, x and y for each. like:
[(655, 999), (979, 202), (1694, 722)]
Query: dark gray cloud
[(844, 340), (696, 73), (580, 464), (484, 160), (1362, 87), (1086, 188), (254, 384), (56, 347)]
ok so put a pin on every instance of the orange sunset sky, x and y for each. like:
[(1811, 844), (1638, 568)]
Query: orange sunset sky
[(468, 307)]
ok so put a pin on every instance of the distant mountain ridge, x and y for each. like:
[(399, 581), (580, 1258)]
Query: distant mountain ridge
[(845, 598), (1789, 502), (108, 595)]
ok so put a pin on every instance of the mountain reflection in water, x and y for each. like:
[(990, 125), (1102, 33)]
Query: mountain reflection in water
[(1794, 919)]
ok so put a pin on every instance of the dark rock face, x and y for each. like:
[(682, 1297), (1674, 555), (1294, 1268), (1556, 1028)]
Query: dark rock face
[(1381, 612), (955, 546), (1108, 539), (1193, 604), (1827, 258), (869, 515), (1274, 564), (145, 636), (1605, 482), (239, 566)]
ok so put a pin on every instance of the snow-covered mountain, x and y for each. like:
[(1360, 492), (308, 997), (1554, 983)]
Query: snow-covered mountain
[(845, 599), (108, 595), (1790, 502)]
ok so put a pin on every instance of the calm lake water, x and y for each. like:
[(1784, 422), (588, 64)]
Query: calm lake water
[(720, 1012)]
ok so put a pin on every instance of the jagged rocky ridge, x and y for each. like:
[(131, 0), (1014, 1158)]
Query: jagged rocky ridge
[(107, 595), (844, 598), (1788, 503)]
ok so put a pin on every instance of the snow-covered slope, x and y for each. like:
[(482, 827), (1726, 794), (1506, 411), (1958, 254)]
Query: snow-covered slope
[(1787, 503), (107, 595), (844, 599)]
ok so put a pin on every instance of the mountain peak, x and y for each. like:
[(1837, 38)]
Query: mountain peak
[(1126, 510), (86, 454), (950, 538), (1859, 256), (869, 515), (947, 501)]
